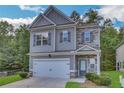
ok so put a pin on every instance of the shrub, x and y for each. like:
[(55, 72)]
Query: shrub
[(23, 74), (104, 74), (88, 76), (92, 76), (99, 80), (105, 81)]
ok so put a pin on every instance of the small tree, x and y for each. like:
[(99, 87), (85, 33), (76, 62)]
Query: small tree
[(75, 16), (109, 39), (93, 16)]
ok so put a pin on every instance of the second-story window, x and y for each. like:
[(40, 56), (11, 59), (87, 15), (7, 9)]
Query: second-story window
[(87, 36), (38, 40), (65, 36), (43, 38)]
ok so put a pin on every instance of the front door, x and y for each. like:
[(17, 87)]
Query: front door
[(82, 67)]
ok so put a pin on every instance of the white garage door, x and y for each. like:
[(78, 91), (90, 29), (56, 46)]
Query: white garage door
[(55, 68)]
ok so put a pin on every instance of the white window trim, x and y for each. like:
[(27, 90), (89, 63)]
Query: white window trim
[(41, 39)]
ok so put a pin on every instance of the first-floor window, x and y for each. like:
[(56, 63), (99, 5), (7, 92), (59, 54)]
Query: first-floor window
[(92, 67)]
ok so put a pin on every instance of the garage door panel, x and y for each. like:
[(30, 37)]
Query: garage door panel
[(41, 69), (51, 68), (59, 68)]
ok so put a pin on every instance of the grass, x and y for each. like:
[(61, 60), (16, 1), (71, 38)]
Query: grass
[(72, 85), (9, 79), (114, 75)]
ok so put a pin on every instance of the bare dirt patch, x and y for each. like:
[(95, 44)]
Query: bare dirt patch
[(89, 84)]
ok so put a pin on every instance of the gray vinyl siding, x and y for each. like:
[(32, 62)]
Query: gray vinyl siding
[(65, 46), (42, 48), (62, 46), (72, 62)]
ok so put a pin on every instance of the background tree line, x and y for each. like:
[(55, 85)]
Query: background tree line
[(14, 43)]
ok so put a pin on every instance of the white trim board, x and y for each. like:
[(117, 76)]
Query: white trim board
[(67, 59), (86, 46)]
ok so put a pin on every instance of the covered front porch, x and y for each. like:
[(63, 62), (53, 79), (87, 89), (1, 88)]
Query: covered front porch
[(86, 61)]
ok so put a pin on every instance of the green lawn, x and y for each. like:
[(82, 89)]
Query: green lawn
[(114, 75), (72, 85), (9, 79)]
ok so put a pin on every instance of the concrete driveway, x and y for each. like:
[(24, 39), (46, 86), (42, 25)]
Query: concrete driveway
[(38, 83)]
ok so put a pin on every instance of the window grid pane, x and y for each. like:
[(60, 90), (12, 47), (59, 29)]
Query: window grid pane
[(87, 36), (38, 40), (38, 43), (65, 36), (45, 38), (45, 41), (41, 39)]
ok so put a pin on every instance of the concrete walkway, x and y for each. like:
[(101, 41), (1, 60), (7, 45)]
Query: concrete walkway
[(80, 80), (38, 83)]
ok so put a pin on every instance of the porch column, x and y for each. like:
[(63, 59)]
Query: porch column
[(87, 65), (30, 64), (74, 65), (54, 39), (98, 63)]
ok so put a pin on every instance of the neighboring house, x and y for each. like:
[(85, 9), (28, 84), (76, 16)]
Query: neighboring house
[(60, 47), (120, 57)]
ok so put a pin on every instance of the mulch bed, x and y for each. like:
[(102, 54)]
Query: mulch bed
[(89, 84)]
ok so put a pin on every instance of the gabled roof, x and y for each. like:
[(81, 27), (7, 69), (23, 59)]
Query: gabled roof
[(86, 48), (50, 8), (49, 18), (41, 18)]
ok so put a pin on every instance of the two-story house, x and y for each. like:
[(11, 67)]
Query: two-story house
[(62, 48)]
